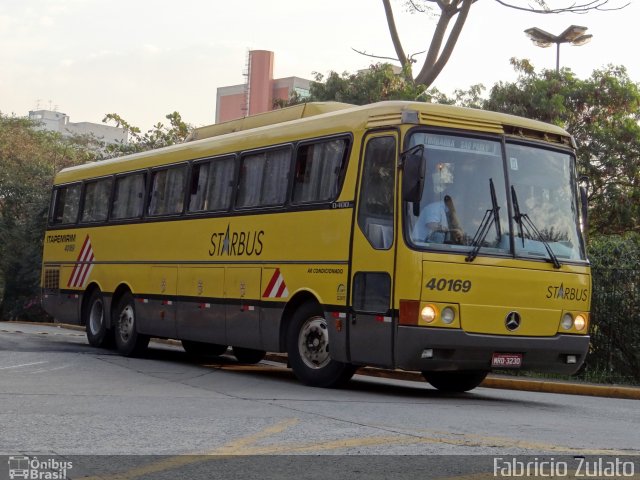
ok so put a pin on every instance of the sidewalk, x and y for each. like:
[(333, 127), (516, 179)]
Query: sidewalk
[(492, 381)]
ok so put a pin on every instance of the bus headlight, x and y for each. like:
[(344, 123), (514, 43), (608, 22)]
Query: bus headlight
[(567, 321), (448, 315), (428, 313), (580, 322)]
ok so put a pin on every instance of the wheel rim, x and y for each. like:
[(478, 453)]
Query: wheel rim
[(313, 343), (125, 323), (96, 317)]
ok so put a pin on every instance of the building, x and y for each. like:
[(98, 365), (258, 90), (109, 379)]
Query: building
[(259, 91), (59, 122)]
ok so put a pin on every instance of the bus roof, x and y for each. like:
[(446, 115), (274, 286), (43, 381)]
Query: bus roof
[(315, 120), (281, 115)]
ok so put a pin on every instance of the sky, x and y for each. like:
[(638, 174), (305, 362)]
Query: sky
[(144, 59)]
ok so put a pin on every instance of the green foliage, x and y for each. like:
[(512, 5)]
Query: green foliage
[(159, 136), (379, 83), (615, 251), (603, 114), (29, 159), (615, 308)]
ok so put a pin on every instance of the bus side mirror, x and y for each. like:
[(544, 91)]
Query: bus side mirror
[(584, 201), (413, 168)]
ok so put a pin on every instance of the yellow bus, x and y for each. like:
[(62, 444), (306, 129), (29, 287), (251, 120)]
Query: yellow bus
[(399, 235)]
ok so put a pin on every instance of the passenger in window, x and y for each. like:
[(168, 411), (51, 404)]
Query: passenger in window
[(438, 221)]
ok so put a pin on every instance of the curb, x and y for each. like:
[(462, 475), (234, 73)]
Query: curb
[(507, 383), (492, 381)]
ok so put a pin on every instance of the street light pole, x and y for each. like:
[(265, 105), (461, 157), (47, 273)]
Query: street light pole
[(575, 35)]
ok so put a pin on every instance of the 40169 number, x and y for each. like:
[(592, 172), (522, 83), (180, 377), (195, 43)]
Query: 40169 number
[(449, 284)]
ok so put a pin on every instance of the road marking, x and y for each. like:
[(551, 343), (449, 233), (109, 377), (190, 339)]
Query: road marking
[(239, 446), (42, 370), (22, 365), (247, 446), (235, 447)]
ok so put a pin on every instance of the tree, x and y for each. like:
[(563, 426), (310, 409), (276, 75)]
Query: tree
[(29, 159), (603, 114), (159, 136), (452, 15), (378, 83)]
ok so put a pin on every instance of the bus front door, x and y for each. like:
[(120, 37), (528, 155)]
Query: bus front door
[(372, 322)]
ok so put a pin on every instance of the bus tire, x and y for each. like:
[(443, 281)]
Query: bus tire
[(203, 350), (95, 322), (128, 341), (248, 355), (308, 350), (455, 382)]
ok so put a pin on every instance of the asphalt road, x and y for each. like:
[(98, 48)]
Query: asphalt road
[(61, 397)]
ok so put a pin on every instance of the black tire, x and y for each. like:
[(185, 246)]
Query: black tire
[(248, 355), (455, 382), (95, 321), (308, 350), (203, 350), (128, 341)]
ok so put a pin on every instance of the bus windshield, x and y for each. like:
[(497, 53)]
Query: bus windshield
[(466, 200)]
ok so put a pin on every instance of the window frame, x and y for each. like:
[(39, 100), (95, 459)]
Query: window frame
[(53, 204), (149, 188), (348, 138), (145, 175), (362, 213), (87, 182), (290, 147), (234, 157)]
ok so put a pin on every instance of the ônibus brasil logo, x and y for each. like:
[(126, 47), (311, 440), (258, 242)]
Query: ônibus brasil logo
[(32, 468)]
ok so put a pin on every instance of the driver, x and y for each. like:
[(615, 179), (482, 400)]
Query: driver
[(438, 221)]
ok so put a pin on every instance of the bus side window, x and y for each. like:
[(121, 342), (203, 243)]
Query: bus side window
[(318, 171), (66, 203), (264, 178), (128, 198), (96, 201), (376, 206), (212, 185), (167, 190)]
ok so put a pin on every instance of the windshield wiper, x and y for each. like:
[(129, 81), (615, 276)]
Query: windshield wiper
[(490, 216), (525, 223)]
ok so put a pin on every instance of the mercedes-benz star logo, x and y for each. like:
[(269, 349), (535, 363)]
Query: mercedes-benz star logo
[(512, 321)]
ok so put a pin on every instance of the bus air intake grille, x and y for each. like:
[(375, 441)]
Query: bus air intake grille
[(392, 118), (469, 123), (52, 279)]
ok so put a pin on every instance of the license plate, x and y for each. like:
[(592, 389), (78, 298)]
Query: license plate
[(506, 360)]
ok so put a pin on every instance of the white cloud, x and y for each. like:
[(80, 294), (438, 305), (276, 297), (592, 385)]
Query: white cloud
[(46, 21)]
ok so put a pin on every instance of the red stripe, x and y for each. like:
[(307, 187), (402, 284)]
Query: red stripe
[(272, 282), (72, 279), (73, 274), (282, 288), (84, 245), (85, 270)]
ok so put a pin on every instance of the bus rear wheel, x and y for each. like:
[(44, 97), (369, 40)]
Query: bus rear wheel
[(248, 355), (128, 341), (95, 322), (455, 382), (308, 350), (203, 350)]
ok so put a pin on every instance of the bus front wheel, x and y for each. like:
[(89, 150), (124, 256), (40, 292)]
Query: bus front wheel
[(98, 334), (128, 341), (308, 350), (455, 382)]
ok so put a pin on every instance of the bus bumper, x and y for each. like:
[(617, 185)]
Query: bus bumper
[(434, 349)]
